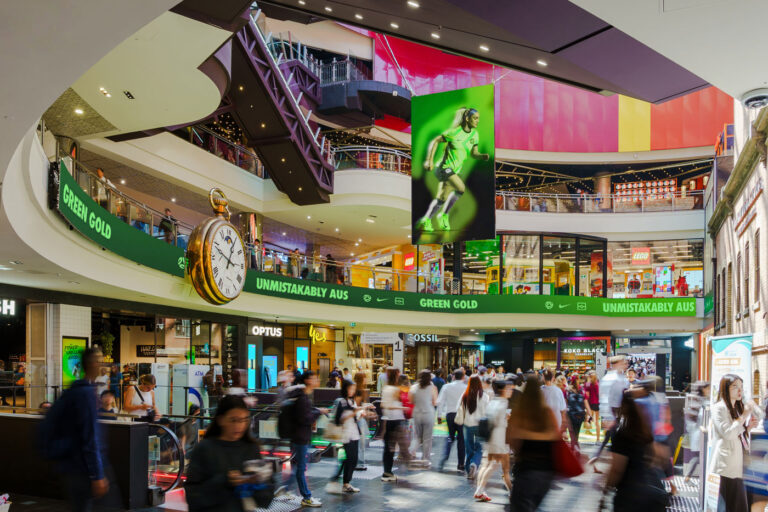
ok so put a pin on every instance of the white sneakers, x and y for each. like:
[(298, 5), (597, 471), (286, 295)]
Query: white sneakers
[(311, 502), (333, 487)]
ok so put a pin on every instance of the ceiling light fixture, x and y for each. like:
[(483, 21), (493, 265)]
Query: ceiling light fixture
[(283, 233), (359, 239), (357, 244), (394, 25), (122, 181), (435, 35), (173, 199), (263, 125), (337, 230), (370, 220), (542, 63), (79, 111), (302, 2), (309, 217), (241, 88), (359, 16), (15, 262), (282, 159), (484, 48), (414, 4), (300, 189), (351, 254), (328, 9)]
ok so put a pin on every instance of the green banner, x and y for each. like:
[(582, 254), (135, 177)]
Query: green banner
[(288, 288), (110, 232)]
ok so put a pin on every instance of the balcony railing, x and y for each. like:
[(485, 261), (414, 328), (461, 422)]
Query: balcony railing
[(342, 71), (598, 203), (372, 157), (227, 150), (129, 210)]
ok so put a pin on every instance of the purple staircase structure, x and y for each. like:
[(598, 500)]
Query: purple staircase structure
[(268, 106)]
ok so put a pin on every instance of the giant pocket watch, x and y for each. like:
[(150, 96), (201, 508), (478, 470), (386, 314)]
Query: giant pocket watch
[(216, 254)]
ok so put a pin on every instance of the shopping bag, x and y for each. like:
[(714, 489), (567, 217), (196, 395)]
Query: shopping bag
[(567, 463)]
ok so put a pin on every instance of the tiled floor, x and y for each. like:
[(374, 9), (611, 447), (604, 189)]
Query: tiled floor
[(424, 490)]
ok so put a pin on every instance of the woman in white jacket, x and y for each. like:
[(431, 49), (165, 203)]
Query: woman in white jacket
[(471, 410), (731, 421), (498, 449)]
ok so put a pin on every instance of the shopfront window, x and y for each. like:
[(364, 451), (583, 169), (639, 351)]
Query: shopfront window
[(521, 264), (592, 268), (559, 265), (544, 353), (660, 268), (481, 267)]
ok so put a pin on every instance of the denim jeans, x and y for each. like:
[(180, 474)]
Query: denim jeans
[(455, 433), (473, 446), (300, 452)]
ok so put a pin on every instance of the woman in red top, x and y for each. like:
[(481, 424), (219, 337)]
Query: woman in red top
[(592, 394)]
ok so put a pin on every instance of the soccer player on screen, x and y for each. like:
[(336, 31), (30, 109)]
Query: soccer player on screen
[(460, 141)]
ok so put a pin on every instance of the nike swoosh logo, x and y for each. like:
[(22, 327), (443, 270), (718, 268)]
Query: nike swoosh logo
[(561, 306), (380, 300)]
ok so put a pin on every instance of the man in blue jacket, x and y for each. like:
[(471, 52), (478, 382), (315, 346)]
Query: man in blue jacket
[(78, 447)]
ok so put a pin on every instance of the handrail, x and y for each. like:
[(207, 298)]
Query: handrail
[(599, 203), (180, 450), (372, 157), (81, 172), (239, 154)]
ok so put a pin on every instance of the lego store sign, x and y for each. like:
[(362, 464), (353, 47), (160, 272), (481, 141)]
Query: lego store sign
[(409, 261), (641, 256)]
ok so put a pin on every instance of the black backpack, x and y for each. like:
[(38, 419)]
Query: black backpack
[(484, 428), (286, 418)]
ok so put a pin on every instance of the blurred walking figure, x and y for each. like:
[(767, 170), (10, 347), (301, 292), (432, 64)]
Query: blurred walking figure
[(730, 423), (533, 431), (498, 449), (346, 411), (592, 394), (471, 410), (217, 479), (612, 388), (423, 396), (363, 400), (577, 407), (448, 402), (638, 487), (695, 404), (70, 435), (394, 417)]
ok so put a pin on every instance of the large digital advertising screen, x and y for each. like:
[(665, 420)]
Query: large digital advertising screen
[(453, 179)]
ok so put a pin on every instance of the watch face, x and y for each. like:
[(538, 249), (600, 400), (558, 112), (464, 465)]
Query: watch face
[(227, 261)]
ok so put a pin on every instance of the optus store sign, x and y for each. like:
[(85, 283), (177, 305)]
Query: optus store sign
[(288, 288)]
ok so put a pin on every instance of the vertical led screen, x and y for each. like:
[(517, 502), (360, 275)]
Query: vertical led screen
[(72, 359), (453, 181)]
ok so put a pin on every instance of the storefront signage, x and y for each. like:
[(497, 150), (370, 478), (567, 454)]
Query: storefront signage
[(263, 330), (379, 338), (317, 335), (641, 256), (409, 261), (8, 307), (149, 350), (748, 200), (96, 222), (422, 338), (498, 362)]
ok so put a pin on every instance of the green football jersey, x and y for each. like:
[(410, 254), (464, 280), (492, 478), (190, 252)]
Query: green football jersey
[(459, 146)]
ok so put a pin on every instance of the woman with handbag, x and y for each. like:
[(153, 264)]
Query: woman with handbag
[(637, 484), (423, 396), (533, 431), (471, 410), (345, 416), (498, 449), (394, 418), (224, 471)]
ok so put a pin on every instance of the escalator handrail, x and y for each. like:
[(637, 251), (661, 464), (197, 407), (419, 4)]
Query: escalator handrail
[(180, 449)]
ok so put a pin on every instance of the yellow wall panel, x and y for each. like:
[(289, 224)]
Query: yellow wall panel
[(634, 124)]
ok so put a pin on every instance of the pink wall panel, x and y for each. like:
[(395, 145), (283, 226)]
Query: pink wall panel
[(536, 114)]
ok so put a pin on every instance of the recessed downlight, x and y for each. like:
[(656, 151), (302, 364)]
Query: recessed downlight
[(484, 48), (122, 181), (263, 125), (394, 25), (309, 217), (302, 2), (283, 233), (173, 199), (328, 9), (359, 16), (337, 230), (79, 111), (357, 244), (542, 63), (240, 88), (413, 3), (435, 35), (370, 220), (300, 189)]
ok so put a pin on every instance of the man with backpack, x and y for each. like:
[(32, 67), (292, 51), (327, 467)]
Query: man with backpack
[(297, 415), (70, 436)]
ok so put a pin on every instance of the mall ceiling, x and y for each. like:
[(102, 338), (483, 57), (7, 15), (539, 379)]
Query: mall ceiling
[(554, 39)]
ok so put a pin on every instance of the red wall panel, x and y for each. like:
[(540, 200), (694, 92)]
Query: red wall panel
[(691, 120)]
